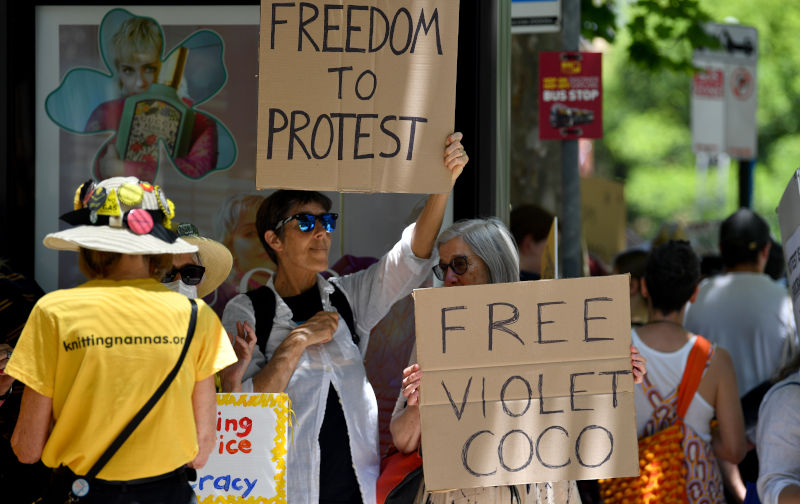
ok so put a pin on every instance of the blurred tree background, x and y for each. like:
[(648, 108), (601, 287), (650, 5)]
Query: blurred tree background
[(646, 80)]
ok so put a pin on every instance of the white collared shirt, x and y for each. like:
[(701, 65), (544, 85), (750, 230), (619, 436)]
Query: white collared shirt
[(371, 293)]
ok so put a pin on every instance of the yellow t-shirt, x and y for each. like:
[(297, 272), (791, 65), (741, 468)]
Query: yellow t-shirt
[(99, 351)]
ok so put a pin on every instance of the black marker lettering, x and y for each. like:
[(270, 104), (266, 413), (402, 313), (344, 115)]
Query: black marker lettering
[(404, 11), (578, 445), (374, 85), (293, 129), (541, 322), (351, 28), (541, 399), (458, 411), (465, 453), (421, 24), (503, 396), (502, 444), (539, 440), (501, 324), (572, 391), (390, 134), (614, 382), (360, 135), (414, 121), (273, 113), (446, 328), (276, 21), (372, 12), (302, 27), (587, 318), (340, 71), (314, 137), (329, 28)]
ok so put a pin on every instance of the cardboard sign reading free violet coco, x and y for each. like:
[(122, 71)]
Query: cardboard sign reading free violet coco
[(526, 382), (356, 96)]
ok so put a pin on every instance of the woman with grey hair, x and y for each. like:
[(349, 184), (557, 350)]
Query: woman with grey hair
[(475, 252)]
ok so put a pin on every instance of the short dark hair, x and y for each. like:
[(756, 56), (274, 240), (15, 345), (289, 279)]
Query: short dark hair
[(672, 273), (277, 207), (632, 261), (742, 236), (530, 219)]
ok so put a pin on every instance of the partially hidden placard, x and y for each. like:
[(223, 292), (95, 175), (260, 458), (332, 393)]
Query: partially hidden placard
[(526, 382), (248, 462), (356, 97)]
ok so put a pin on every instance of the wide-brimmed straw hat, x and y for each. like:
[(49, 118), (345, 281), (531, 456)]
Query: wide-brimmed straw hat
[(120, 214), (214, 256)]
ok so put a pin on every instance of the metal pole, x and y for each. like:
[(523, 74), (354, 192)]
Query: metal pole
[(570, 178), (746, 167)]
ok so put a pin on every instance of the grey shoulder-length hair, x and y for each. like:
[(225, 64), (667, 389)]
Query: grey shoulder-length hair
[(490, 240)]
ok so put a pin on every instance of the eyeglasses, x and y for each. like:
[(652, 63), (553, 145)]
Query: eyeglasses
[(459, 264), (191, 274), (306, 221)]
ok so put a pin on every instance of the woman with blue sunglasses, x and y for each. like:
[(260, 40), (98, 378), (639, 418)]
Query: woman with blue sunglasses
[(311, 352)]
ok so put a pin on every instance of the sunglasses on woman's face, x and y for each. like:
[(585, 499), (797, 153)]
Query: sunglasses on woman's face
[(459, 264), (191, 274), (306, 222)]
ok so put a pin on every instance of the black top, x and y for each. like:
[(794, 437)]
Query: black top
[(337, 476), (529, 275)]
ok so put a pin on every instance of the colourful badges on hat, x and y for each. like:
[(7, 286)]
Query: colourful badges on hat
[(110, 205), (130, 194), (139, 221), (77, 203), (169, 214), (163, 202), (82, 194), (146, 186), (97, 199)]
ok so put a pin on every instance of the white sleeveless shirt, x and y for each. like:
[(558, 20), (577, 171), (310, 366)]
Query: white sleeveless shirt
[(664, 371)]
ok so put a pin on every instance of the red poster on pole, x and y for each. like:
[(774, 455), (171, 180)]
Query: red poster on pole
[(570, 95)]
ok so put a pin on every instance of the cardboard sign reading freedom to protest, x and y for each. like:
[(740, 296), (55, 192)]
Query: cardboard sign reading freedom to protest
[(526, 382), (356, 96), (248, 462)]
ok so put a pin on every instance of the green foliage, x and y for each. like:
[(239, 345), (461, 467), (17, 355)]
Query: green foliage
[(663, 33), (647, 140)]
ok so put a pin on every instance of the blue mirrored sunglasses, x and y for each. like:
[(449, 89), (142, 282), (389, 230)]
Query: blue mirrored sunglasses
[(306, 221)]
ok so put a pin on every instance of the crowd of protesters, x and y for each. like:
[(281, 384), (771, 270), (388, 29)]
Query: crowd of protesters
[(301, 333)]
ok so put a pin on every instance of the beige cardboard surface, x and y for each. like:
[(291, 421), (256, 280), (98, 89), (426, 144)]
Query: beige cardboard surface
[(789, 221), (356, 97), (789, 208), (603, 216), (526, 382)]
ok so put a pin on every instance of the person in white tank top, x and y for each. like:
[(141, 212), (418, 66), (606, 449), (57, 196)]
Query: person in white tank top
[(671, 279)]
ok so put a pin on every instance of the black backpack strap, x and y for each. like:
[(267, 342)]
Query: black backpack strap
[(339, 301), (263, 300)]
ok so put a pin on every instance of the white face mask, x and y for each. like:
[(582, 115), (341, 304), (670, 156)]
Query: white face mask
[(178, 286)]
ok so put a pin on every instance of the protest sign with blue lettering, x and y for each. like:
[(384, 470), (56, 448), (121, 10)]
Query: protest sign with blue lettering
[(248, 462)]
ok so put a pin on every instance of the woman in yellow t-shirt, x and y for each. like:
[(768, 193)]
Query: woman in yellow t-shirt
[(91, 356)]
